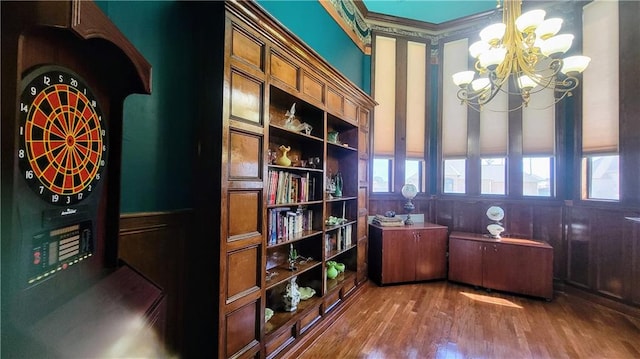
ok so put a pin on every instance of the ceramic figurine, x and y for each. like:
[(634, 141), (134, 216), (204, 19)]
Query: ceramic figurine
[(338, 185), (291, 296), (281, 158)]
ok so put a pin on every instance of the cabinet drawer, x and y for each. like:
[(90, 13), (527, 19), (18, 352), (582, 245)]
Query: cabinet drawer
[(347, 288), (331, 300), (279, 341), (309, 319)]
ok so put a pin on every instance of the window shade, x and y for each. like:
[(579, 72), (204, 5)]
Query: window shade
[(538, 124), (494, 126), (385, 95), (600, 103), (416, 97), (454, 115)]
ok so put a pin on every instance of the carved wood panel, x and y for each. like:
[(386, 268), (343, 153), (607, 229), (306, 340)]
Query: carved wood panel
[(246, 98), (312, 87), (242, 272), (245, 152), (245, 216), (284, 70), (240, 330), (247, 48)]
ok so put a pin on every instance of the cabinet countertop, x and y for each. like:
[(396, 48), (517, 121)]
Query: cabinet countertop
[(505, 240), (419, 225)]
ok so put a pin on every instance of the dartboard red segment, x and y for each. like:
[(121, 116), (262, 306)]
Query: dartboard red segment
[(63, 137)]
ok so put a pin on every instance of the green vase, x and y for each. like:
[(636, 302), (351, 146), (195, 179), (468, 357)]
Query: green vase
[(332, 272)]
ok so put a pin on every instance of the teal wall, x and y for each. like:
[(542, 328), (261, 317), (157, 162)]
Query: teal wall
[(157, 151), (158, 132), (311, 23)]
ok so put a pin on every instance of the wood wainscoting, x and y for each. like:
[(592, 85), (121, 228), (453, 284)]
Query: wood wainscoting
[(154, 244)]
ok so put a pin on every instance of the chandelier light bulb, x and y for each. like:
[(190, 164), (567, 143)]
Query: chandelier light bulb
[(493, 57), (528, 21), (526, 83), (493, 33), (463, 78), (478, 48), (480, 84), (557, 44), (575, 64), (548, 28)]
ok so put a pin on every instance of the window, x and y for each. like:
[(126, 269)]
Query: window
[(603, 177), (536, 176), (414, 174), (601, 102), (454, 175), (382, 168), (492, 176)]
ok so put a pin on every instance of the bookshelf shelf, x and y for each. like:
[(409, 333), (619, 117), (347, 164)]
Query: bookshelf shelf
[(333, 254), (281, 319), (281, 274)]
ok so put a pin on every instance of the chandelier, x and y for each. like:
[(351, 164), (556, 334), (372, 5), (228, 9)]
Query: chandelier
[(526, 49)]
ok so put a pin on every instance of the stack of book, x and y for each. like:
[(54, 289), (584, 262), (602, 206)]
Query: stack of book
[(383, 221)]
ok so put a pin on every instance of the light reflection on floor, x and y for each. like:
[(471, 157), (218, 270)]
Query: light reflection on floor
[(490, 300)]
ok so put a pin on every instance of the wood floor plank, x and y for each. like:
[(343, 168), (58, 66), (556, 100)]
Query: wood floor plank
[(449, 321)]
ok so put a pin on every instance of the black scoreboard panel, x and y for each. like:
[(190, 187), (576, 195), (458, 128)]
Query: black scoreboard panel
[(58, 249)]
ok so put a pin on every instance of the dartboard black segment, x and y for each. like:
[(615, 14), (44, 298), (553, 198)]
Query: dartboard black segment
[(63, 137)]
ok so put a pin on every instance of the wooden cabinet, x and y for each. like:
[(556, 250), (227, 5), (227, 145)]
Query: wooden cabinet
[(271, 211), (407, 254), (510, 264)]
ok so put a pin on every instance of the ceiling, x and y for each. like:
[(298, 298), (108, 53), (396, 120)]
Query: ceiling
[(432, 11)]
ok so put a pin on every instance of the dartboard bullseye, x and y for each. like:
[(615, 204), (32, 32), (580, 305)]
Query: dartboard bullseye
[(63, 136)]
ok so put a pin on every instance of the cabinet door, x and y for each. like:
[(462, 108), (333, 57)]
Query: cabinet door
[(465, 261), (398, 257), (519, 269), (501, 266), (431, 254)]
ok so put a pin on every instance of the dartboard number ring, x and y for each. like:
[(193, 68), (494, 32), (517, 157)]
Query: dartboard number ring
[(63, 139)]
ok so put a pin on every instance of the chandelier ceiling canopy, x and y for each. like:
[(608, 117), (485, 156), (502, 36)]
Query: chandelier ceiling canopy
[(520, 56)]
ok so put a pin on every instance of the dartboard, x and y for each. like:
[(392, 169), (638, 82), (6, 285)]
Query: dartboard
[(63, 136)]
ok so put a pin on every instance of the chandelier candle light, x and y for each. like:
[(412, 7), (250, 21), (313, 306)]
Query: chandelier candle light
[(526, 48)]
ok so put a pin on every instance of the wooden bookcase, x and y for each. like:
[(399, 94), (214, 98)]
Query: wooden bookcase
[(266, 71)]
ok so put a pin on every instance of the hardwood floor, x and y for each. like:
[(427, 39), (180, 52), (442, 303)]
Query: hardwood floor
[(451, 321)]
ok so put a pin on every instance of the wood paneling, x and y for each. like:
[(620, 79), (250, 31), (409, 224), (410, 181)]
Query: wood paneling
[(246, 220), (312, 87), (154, 244), (242, 272), (579, 242), (335, 102), (240, 330), (248, 48), (284, 70), (350, 111), (246, 98), (245, 152)]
